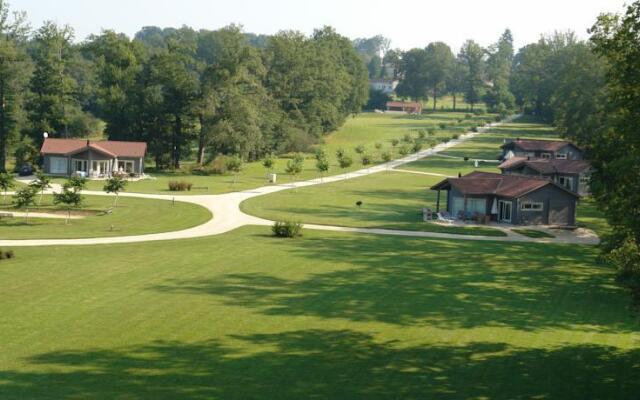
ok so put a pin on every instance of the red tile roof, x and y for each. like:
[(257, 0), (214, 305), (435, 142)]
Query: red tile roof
[(405, 104), (112, 148), (537, 145), (548, 166), (488, 183)]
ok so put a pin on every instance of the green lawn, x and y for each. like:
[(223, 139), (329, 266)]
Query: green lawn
[(484, 147), (365, 129), (133, 216), (391, 200), (327, 316)]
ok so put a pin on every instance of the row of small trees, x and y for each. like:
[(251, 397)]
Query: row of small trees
[(70, 197)]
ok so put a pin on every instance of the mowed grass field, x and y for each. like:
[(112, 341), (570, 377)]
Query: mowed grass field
[(365, 129), (132, 216), (327, 316), (395, 199), (484, 147), (390, 200)]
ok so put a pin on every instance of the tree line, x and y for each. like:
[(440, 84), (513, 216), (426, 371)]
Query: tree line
[(180, 90), (479, 74), (591, 91)]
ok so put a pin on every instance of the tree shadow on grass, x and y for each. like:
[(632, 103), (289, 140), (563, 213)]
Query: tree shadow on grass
[(324, 364), (446, 284)]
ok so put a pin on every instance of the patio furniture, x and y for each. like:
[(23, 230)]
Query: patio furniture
[(445, 217), (427, 214)]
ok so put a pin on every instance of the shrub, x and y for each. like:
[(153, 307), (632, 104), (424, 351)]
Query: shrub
[(360, 149), (287, 229), (394, 142), (445, 140), (404, 150), (386, 156), (407, 138), (497, 118), (468, 116), (417, 146), (179, 186), (478, 111), (455, 136), (431, 131), (442, 125), (422, 134), (6, 254), (218, 166), (340, 153), (378, 146), (474, 129)]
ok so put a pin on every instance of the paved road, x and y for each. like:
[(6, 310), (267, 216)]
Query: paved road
[(227, 215)]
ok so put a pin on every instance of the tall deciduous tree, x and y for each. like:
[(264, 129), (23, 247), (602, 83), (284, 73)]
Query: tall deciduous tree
[(499, 63), (415, 81), (440, 63), (472, 56), (14, 68)]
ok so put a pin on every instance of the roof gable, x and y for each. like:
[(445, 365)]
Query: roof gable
[(111, 148), (538, 145)]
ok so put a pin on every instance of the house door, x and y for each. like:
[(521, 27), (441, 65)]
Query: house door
[(504, 211)]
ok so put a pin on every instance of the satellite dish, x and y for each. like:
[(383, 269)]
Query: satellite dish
[(45, 135)]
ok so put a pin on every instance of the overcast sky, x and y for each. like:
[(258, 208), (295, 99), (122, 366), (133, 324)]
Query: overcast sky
[(407, 23)]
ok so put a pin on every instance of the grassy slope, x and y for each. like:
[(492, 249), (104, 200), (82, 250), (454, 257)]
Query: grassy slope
[(132, 217), (366, 129), (247, 316), (391, 200)]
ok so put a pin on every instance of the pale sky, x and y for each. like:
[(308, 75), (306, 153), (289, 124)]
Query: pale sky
[(407, 23)]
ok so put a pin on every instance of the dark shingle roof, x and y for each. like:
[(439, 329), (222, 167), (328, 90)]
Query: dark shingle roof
[(544, 166), (537, 145), (488, 183)]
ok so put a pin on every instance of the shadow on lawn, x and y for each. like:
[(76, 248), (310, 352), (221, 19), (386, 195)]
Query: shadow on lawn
[(321, 364), (446, 284)]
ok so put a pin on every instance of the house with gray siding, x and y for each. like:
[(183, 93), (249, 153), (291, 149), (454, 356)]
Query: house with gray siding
[(504, 198), (93, 159), (574, 175), (544, 149)]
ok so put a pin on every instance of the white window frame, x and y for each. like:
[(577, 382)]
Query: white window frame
[(561, 156), (61, 160), (568, 182), (532, 206), (124, 165), (85, 162)]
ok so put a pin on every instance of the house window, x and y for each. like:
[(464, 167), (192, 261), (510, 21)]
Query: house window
[(531, 206), (585, 179), (561, 156), (545, 156), (565, 182), (58, 165), (125, 166), (79, 165)]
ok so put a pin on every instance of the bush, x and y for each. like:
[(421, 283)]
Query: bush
[(407, 138), (417, 146), (455, 136), (180, 186), (394, 142), (404, 150), (6, 254), (287, 229), (431, 132), (422, 134), (478, 111), (378, 146), (626, 258), (468, 116), (474, 129), (360, 149), (442, 125)]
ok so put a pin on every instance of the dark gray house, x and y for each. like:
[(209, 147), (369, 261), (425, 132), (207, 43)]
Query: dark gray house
[(545, 149), (574, 175), (513, 199), (97, 159)]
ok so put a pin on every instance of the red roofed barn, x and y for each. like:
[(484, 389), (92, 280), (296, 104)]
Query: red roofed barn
[(94, 159)]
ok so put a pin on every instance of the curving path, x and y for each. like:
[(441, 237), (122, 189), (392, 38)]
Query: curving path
[(227, 215)]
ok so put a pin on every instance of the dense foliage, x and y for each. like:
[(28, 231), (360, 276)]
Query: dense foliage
[(222, 91)]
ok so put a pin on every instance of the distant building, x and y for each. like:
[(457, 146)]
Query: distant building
[(547, 149), (574, 175), (386, 86), (405, 106)]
